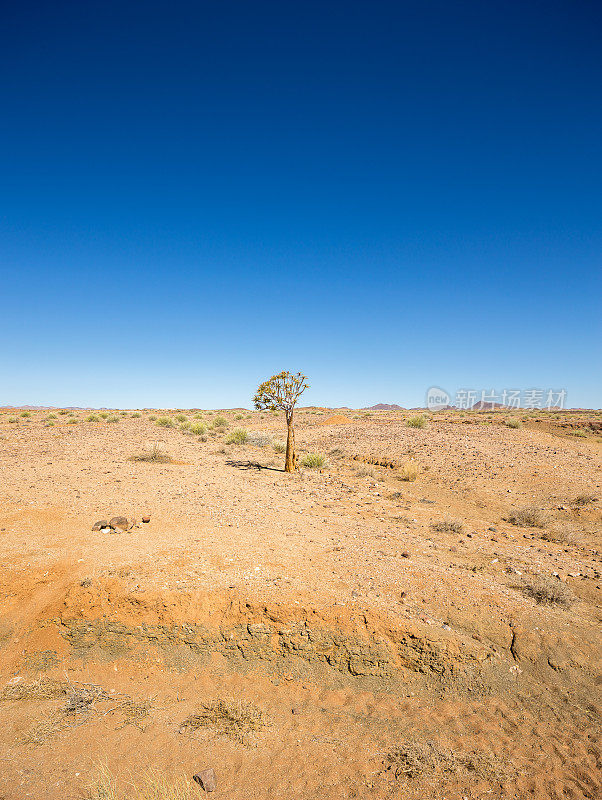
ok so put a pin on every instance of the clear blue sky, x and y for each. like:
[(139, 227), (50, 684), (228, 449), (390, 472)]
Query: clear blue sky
[(383, 195)]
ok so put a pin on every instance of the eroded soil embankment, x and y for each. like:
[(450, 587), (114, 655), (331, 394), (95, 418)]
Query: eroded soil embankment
[(105, 621), (135, 662)]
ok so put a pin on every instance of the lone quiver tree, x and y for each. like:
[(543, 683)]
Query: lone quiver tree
[(280, 393)]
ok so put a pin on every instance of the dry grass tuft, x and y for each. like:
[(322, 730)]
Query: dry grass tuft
[(153, 785), (584, 499), (447, 526), (103, 786), (80, 706), (546, 591), (313, 461), (560, 534), (235, 719), (81, 698), (156, 785), (154, 455), (528, 517), (409, 471), (418, 759), (134, 713), (41, 689)]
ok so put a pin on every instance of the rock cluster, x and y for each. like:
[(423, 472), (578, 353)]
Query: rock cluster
[(115, 525)]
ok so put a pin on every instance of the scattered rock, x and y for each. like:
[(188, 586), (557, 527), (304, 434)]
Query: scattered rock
[(146, 519), (98, 526), (405, 554), (122, 523), (206, 780)]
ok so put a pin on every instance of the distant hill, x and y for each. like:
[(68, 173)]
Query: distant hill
[(50, 408), (386, 407), (483, 406)]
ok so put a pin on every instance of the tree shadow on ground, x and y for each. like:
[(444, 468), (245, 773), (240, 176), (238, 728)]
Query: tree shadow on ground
[(252, 465)]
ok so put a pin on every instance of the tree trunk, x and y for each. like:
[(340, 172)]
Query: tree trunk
[(289, 463)]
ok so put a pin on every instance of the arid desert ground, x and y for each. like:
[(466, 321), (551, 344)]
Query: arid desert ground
[(418, 617)]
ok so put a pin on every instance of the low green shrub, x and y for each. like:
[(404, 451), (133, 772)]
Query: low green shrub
[(418, 421), (313, 461), (238, 436)]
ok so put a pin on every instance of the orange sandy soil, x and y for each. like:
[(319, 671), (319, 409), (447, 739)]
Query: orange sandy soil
[(324, 598)]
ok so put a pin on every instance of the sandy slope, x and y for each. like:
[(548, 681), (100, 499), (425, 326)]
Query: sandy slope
[(325, 599)]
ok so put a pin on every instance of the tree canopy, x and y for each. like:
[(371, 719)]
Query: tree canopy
[(281, 392)]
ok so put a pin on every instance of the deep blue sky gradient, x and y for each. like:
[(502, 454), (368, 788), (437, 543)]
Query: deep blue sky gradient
[(384, 195)]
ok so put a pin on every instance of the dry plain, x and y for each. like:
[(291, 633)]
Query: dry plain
[(336, 633)]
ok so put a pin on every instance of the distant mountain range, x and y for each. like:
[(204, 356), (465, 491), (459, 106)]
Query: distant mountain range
[(50, 408)]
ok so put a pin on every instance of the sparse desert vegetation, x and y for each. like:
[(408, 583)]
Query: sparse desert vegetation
[(232, 596), (409, 471), (313, 461), (584, 499), (235, 719), (238, 436), (447, 526), (416, 759), (528, 517), (154, 454), (546, 590)]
